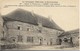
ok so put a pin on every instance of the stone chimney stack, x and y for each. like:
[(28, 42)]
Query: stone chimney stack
[(39, 22), (49, 17)]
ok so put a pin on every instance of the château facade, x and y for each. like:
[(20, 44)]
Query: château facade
[(24, 27)]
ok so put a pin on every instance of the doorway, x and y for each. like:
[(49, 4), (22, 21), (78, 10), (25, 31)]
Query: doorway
[(51, 41), (41, 41)]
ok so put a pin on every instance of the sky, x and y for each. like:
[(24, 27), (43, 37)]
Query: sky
[(65, 17)]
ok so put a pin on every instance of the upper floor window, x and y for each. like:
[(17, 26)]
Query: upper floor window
[(39, 31), (28, 29), (18, 27)]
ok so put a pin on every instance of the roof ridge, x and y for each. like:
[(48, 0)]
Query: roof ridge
[(26, 16)]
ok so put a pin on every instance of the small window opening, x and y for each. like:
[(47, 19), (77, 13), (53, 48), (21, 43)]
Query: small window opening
[(18, 27)]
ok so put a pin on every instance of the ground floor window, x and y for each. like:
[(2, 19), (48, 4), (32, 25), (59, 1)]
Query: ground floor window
[(30, 39), (20, 38)]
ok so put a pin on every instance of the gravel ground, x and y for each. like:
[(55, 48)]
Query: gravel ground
[(56, 47), (50, 48)]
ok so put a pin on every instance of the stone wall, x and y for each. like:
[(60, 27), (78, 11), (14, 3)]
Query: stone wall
[(44, 35), (74, 41), (1, 27)]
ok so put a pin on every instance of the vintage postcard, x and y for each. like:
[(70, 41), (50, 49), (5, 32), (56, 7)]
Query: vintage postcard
[(39, 25)]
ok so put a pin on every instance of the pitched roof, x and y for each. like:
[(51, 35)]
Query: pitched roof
[(76, 31), (32, 18)]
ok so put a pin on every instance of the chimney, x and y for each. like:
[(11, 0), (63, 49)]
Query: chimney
[(39, 22), (49, 17), (32, 13)]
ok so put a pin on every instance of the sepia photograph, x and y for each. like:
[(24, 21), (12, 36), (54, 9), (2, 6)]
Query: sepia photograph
[(39, 25)]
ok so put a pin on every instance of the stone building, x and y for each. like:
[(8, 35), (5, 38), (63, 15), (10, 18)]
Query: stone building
[(70, 38), (1, 28), (21, 26)]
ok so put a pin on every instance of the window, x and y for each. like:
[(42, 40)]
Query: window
[(39, 31), (65, 40), (18, 27), (20, 39), (27, 29), (13, 40), (30, 39)]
